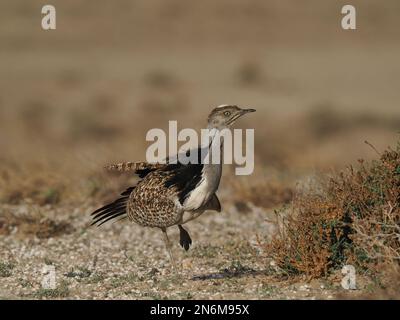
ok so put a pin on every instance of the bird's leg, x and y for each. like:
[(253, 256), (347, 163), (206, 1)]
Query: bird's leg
[(185, 240), (168, 245)]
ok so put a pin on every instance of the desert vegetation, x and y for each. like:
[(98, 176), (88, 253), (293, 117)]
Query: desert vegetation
[(351, 217)]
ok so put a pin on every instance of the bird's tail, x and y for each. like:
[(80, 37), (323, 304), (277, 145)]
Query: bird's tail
[(140, 168), (112, 210), (133, 166)]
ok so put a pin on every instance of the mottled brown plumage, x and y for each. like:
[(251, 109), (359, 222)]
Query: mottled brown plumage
[(152, 204)]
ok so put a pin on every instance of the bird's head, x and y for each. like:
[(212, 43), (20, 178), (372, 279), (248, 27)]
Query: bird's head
[(224, 116)]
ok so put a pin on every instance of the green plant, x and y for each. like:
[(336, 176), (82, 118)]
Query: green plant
[(61, 291), (6, 269)]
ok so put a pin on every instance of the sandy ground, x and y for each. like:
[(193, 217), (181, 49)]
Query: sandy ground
[(123, 261)]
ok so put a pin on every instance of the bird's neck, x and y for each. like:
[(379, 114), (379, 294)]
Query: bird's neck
[(214, 145)]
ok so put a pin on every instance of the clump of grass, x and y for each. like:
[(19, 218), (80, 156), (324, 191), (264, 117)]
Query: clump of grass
[(48, 228), (33, 225), (13, 197), (238, 249), (79, 273), (354, 218), (34, 183), (50, 196), (94, 278), (48, 261), (61, 291), (237, 267), (205, 251), (25, 283), (185, 295), (6, 269), (119, 281), (154, 296), (268, 290)]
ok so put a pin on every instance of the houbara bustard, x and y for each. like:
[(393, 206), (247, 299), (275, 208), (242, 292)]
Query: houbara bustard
[(170, 194)]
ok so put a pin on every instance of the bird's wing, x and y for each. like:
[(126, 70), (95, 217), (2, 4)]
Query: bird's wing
[(112, 210), (183, 178), (158, 181), (142, 168), (153, 204)]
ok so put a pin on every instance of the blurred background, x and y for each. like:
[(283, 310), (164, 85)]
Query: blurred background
[(84, 95)]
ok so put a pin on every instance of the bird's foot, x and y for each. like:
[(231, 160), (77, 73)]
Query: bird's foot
[(185, 240)]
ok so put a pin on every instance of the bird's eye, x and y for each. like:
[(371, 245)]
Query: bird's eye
[(227, 113)]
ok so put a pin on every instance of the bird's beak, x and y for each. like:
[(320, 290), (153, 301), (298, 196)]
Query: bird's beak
[(244, 111)]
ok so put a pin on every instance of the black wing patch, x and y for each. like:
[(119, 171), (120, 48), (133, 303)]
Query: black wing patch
[(112, 210), (184, 177), (144, 172)]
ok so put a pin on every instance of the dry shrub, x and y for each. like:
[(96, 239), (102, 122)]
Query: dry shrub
[(353, 218), (32, 225), (58, 182), (19, 183)]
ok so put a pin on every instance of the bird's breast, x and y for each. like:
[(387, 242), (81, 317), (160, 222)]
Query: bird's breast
[(204, 190)]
